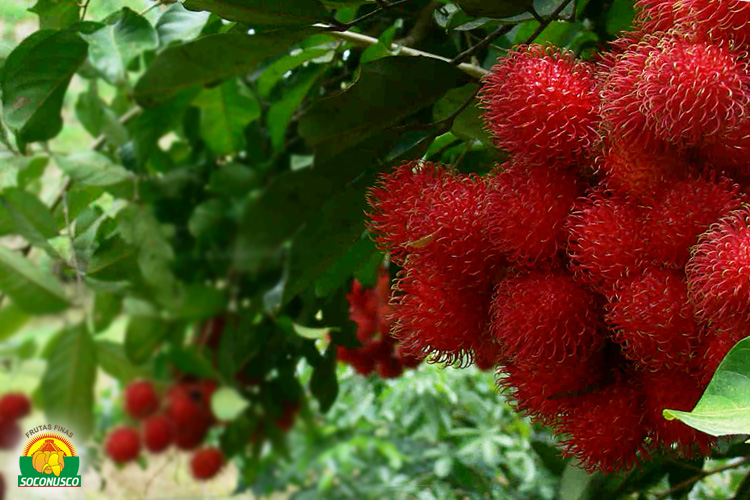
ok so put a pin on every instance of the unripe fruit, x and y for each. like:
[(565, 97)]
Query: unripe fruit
[(14, 406), (10, 434), (141, 399), (206, 463), (157, 433), (123, 445)]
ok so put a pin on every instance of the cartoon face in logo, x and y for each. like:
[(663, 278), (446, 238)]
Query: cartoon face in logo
[(49, 459)]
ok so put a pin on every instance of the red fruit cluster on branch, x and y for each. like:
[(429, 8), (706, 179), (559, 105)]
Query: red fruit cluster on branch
[(13, 407), (607, 262)]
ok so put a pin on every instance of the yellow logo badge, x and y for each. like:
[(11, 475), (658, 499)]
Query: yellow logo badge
[(49, 459)]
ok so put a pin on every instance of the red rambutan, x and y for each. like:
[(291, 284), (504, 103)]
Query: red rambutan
[(653, 320), (157, 433), (123, 445), (14, 406), (657, 15), (726, 22), (389, 367), (10, 434), (528, 207), (206, 463), (719, 273), (141, 399), (564, 322), (542, 105)]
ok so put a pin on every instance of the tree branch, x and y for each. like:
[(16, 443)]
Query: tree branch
[(682, 485), (502, 30), (546, 22)]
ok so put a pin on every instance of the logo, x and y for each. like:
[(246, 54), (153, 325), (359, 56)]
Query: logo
[(49, 459)]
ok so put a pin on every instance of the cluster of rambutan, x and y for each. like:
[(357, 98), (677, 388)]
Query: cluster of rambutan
[(379, 351), (605, 267), (183, 418), (13, 407)]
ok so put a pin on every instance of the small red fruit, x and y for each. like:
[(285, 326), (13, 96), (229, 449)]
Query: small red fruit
[(141, 399), (389, 367), (14, 406), (10, 434), (123, 445), (206, 463), (157, 433)]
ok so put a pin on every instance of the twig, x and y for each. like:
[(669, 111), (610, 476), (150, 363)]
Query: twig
[(373, 13), (502, 30), (151, 7), (682, 485), (546, 22), (71, 241), (469, 69), (85, 9), (743, 490)]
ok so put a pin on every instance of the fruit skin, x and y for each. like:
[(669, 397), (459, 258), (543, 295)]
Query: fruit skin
[(206, 463), (189, 409), (10, 434), (158, 433), (528, 207), (565, 323), (653, 320), (141, 399), (719, 273), (14, 406), (123, 445), (542, 106)]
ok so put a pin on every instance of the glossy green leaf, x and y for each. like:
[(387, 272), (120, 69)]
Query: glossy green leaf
[(142, 336), (56, 14), (225, 112), (274, 72), (207, 60), (179, 24), (264, 12), (724, 408), (32, 289), (115, 363), (12, 319), (469, 124), (90, 168), (68, 383), (35, 78)]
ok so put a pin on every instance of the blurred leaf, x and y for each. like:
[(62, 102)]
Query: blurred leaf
[(359, 254), (90, 168), (206, 60), (30, 218), (469, 124), (232, 179), (275, 71), (236, 435), (550, 456), (191, 362), (35, 78), (31, 288), (142, 336), (112, 359), (724, 408), (113, 47), (620, 17), (56, 14), (574, 483), (225, 112), (680, 471), (207, 217), (152, 124), (228, 404), (107, 307), (68, 383), (178, 24), (12, 319), (387, 91), (495, 8), (264, 12), (324, 384), (282, 110)]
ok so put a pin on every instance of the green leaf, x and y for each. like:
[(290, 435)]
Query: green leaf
[(681, 471), (68, 383), (495, 8), (32, 289), (232, 179), (142, 336), (324, 385), (207, 217), (388, 91), (90, 168), (468, 125), (359, 255), (274, 72), (107, 307), (206, 60), (178, 23), (56, 14), (35, 78), (190, 362), (619, 17), (724, 408), (228, 404), (30, 218), (264, 12), (225, 112), (12, 319), (114, 362), (281, 111)]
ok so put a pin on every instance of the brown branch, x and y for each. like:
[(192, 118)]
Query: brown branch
[(502, 30), (546, 22), (373, 13), (682, 485)]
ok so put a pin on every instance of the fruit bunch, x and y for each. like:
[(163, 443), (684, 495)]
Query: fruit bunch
[(379, 351), (182, 418), (606, 262), (13, 407)]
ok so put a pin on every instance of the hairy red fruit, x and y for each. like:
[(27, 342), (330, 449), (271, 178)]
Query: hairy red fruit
[(659, 388), (653, 320), (730, 152), (289, 412), (123, 445), (408, 358), (141, 399), (725, 22), (542, 106), (487, 355), (14, 406), (10, 434), (446, 322), (564, 323), (528, 207), (157, 433), (543, 390), (711, 352), (389, 367), (656, 15), (683, 212), (606, 240), (206, 463), (605, 428), (691, 91), (719, 273)]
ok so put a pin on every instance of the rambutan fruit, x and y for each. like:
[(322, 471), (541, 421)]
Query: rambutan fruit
[(653, 320), (719, 273), (439, 320), (123, 445), (542, 106), (657, 15), (157, 433), (389, 367), (606, 239), (487, 355), (726, 22), (206, 463), (528, 207), (711, 352), (191, 435), (141, 399), (289, 412), (564, 324), (14, 406), (683, 212), (673, 435), (408, 358), (605, 429), (691, 91), (10, 434)]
